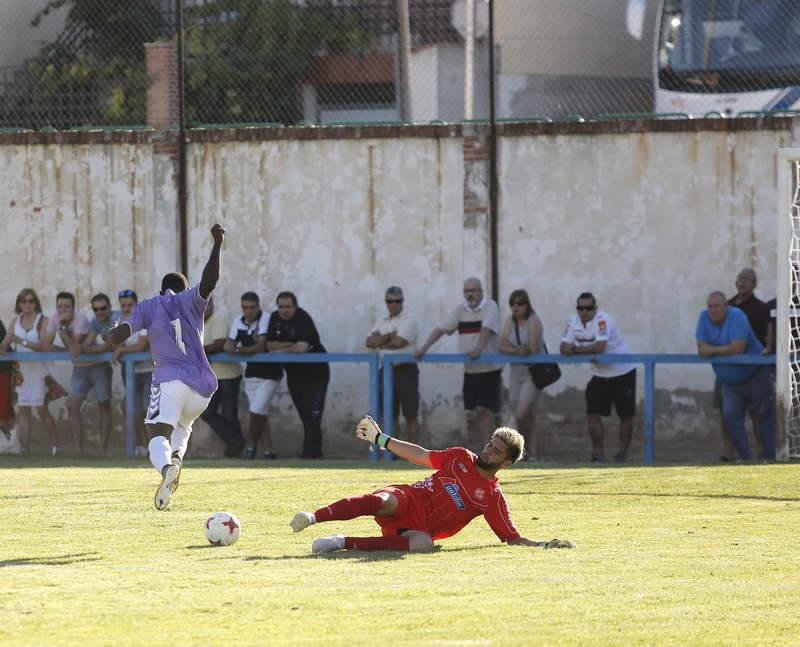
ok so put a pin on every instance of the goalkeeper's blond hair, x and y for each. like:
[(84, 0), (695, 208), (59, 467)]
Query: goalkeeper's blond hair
[(513, 440)]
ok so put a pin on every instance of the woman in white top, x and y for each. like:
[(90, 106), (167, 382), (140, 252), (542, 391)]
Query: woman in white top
[(26, 335), (522, 335)]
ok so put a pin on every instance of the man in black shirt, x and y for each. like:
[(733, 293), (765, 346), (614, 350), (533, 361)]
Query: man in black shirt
[(291, 330)]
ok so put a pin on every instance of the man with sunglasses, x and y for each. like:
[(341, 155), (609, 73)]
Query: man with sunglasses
[(96, 375), (591, 332), (397, 333)]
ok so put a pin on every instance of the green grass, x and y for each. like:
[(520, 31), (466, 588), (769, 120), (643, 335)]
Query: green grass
[(669, 555)]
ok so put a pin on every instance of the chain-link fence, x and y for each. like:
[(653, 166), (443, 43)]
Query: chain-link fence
[(79, 63)]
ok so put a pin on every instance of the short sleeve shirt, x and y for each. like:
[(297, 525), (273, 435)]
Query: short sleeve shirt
[(403, 325), (600, 328), (734, 327), (299, 328), (174, 324), (98, 327), (247, 334), (457, 493), (468, 322), (757, 313), (78, 326)]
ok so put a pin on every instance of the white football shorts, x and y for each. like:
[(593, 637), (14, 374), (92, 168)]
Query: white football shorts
[(260, 392), (173, 403)]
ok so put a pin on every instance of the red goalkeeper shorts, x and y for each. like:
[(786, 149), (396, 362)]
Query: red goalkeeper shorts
[(410, 513)]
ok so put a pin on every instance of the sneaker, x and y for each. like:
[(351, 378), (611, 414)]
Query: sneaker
[(169, 475), (140, 451), (620, 458), (328, 544), (270, 456), (56, 451), (598, 459), (302, 520), (176, 460), (250, 452)]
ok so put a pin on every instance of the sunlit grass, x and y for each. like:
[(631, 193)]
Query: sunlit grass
[(674, 555)]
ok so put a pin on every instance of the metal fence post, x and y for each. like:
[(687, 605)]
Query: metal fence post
[(374, 398), (649, 412), (130, 405)]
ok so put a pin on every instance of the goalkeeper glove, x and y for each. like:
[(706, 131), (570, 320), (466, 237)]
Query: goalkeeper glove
[(367, 429)]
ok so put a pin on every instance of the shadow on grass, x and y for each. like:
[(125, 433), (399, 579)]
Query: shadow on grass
[(57, 560), (741, 497), (353, 555)]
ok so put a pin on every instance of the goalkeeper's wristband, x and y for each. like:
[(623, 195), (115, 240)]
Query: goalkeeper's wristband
[(382, 440)]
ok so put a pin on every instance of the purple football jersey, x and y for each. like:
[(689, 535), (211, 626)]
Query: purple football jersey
[(174, 324)]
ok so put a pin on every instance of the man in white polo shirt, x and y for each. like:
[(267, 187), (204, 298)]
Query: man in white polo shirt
[(397, 333), (590, 332), (477, 320)]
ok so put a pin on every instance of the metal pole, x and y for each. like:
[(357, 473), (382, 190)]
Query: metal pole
[(183, 227), (404, 28), (649, 413), (131, 398), (469, 61), (374, 398), (493, 197)]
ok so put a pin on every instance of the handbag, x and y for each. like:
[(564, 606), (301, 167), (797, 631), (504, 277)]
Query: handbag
[(543, 375)]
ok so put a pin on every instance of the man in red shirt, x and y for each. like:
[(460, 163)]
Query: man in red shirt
[(413, 516)]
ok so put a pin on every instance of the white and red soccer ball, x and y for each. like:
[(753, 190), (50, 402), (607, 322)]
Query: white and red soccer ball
[(222, 529)]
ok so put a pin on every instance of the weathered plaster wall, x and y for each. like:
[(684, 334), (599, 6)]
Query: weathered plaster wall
[(650, 221)]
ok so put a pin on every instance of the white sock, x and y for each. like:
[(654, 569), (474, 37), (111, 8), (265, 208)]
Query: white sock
[(159, 452), (180, 440)]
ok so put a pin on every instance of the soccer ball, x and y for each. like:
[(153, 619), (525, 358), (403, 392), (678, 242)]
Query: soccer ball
[(222, 529)]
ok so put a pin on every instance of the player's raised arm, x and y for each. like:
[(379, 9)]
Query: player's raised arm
[(367, 429), (211, 271)]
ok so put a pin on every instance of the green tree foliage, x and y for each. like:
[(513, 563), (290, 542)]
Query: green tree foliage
[(245, 61)]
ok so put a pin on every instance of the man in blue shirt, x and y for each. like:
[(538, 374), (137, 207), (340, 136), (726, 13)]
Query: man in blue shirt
[(723, 330)]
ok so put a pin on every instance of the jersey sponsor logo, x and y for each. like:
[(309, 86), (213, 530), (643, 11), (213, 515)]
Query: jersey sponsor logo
[(480, 494), (452, 490), (462, 467), (601, 326)]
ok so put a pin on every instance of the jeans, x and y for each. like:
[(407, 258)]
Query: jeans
[(308, 395), (226, 425), (757, 393)]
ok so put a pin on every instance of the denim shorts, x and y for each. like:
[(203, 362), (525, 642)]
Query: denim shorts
[(86, 378)]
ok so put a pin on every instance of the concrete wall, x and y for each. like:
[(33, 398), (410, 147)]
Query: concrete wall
[(649, 221)]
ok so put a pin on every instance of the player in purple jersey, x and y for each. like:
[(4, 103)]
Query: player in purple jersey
[(183, 381)]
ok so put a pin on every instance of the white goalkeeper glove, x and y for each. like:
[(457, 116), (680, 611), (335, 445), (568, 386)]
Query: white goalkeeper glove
[(367, 429)]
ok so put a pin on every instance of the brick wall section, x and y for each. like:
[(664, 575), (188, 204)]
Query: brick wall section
[(162, 88)]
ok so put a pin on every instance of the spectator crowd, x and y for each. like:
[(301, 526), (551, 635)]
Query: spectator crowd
[(741, 325)]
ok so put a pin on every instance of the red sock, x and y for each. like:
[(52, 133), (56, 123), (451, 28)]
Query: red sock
[(359, 506), (397, 542)]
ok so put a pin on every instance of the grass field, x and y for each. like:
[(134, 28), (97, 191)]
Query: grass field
[(667, 555)]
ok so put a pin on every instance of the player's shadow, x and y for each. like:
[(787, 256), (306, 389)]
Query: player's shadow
[(355, 555), (57, 560)]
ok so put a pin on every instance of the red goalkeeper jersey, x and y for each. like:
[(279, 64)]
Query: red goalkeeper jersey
[(448, 500)]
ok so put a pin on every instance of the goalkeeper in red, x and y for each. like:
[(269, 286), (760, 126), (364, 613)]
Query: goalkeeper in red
[(412, 517)]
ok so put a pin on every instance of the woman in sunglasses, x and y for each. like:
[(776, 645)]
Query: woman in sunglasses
[(25, 333), (522, 335)]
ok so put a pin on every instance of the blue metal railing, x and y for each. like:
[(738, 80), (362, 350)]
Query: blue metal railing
[(649, 361), (371, 359)]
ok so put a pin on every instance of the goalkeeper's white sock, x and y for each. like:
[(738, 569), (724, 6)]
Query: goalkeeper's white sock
[(159, 452), (180, 440)]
